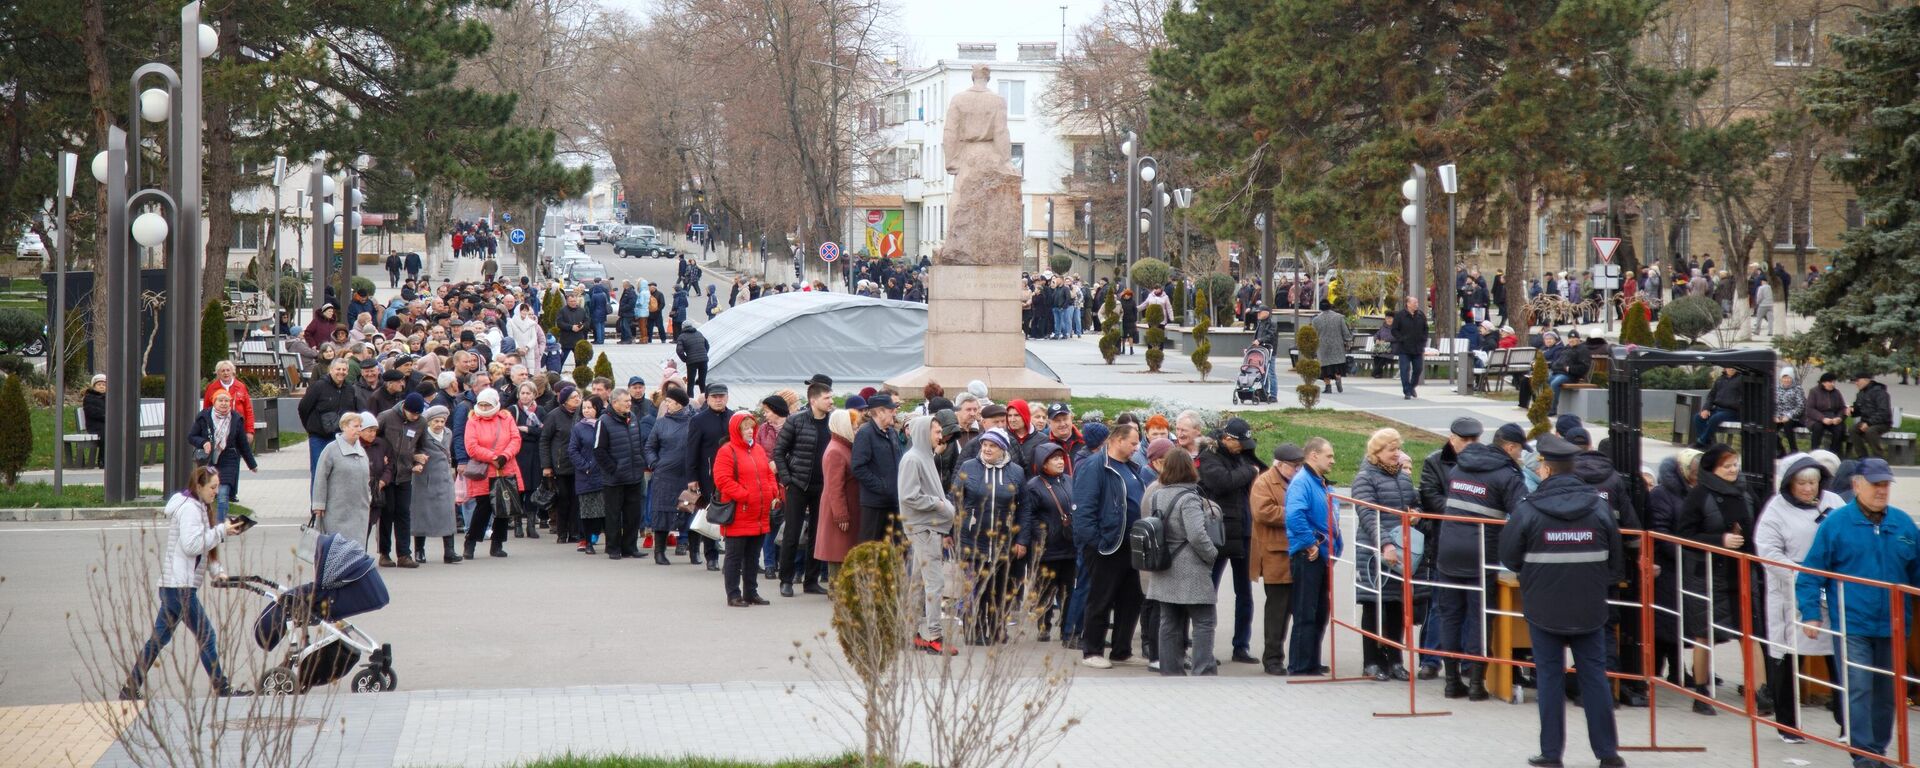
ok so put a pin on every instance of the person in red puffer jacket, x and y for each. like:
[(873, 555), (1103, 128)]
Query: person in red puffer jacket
[(743, 474)]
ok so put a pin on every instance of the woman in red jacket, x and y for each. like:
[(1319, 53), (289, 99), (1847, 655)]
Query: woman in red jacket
[(493, 439), (743, 474)]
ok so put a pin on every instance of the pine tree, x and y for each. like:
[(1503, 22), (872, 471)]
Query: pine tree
[(583, 375), (16, 430), (1633, 325), (1202, 346), (1663, 337), (1542, 398), (583, 352), (1866, 310), (213, 337)]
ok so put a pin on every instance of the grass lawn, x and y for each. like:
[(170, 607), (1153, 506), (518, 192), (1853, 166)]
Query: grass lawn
[(39, 495), (1347, 430), (571, 761), (42, 457)]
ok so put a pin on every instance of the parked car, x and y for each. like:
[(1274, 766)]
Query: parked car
[(590, 233), (637, 246), (30, 247), (584, 271)]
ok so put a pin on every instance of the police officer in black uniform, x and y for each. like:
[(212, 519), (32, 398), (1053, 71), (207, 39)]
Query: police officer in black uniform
[(1486, 483), (1565, 545)]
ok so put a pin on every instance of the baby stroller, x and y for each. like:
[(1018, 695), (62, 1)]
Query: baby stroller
[(1250, 386), (326, 645)]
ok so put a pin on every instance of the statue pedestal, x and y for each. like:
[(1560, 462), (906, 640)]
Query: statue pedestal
[(973, 332)]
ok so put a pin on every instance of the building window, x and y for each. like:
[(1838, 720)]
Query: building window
[(1015, 92), (246, 235), (1566, 250), (1793, 43), (1855, 218), (1020, 159), (1792, 224)]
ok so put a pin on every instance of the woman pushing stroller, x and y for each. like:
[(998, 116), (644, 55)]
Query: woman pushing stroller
[(192, 534)]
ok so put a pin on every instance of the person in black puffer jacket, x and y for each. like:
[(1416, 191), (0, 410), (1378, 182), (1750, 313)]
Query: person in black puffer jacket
[(555, 463), (1717, 513), (1227, 469), (1485, 483), (619, 452), (797, 458), (691, 346), (876, 465), (1046, 530), (1873, 411), (326, 398), (1569, 367)]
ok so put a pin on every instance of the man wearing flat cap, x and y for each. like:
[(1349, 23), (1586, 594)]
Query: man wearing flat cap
[(1565, 546), (875, 463)]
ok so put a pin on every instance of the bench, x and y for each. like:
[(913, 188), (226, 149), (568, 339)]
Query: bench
[(1502, 364), (82, 448)]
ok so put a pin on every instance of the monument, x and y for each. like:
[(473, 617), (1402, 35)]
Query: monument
[(973, 288)]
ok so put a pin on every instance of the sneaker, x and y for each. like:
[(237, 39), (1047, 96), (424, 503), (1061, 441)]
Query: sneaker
[(935, 646), (1092, 662), (1153, 666), (1792, 738), (1131, 661)]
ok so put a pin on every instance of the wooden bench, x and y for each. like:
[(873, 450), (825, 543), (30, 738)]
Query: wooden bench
[(82, 448), (1502, 364)]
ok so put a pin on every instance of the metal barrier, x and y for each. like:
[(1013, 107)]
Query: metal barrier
[(1648, 607)]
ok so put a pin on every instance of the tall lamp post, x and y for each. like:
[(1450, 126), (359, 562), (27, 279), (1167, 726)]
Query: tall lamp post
[(1450, 184), (279, 180), (57, 359), (349, 236), (1093, 250), (1129, 149), (1414, 215), (179, 105)]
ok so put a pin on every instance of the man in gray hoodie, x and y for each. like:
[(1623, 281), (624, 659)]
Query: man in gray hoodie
[(926, 514)]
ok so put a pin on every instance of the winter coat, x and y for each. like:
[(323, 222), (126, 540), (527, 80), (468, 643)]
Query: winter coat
[(191, 534), (566, 320), (1046, 512), (1784, 535), (619, 449), (1724, 395), (797, 453), (1485, 483), (432, 504), (875, 462), (924, 505), (743, 474), (1564, 545), (1374, 485), (1226, 479), (1712, 509), (1334, 334), (1103, 507), (324, 401), (527, 421), (988, 496), (403, 439), (555, 433), (1848, 543), (1596, 470), (706, 435), (1574, 362), (1307, 512), (238, 448), (839, 503), (1410, 333), (490, 437), (1823, 403), (666, 450), (691, 346), (242, 400), (93, 405), (1873, 406), (1790, 403), (579, 450), (1663, 509), (1268, 503), (340, 490), (1191, 524)]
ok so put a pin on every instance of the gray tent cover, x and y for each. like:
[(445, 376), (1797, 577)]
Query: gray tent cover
[(787, 337)]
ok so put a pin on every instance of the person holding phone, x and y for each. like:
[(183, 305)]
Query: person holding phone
[(192, 534)]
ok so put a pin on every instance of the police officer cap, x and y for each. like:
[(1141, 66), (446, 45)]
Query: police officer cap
[(1578, 436), (1553, 448)]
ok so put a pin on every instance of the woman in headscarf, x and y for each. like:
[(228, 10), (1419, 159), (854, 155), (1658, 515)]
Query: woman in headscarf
[(218, 433), (986, 489), (839, 494), (743, 474), (1783, 535), (586, 475), (342, 490), (433, 504), (1716, 513), (529, 339), (492, 441), (319, 330), (1789, 404)]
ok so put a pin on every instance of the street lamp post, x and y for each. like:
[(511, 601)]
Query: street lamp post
[(1414, 215), (1183, 199), (279, 180), (1450, 184), (320, 187), (1046, 262), (57, 358), (179, 105), (1093, 251), (1130, 148), (349, 237)]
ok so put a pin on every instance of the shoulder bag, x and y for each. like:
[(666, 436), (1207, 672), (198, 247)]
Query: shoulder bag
[(721, 512)]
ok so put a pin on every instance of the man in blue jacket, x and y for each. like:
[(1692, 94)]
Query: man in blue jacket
[(876, 465), (1106, 497), (1866, 539), (1311, 544), (599, 303)]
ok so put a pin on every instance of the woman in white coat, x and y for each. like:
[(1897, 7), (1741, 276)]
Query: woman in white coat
[(192, 535), (1783, 535), (528, 337)]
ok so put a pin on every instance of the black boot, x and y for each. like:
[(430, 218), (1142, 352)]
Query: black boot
[(660, 551), (519, 526), (471, 545), (680, 548), (695, 553), (533, 528), (1455, 689), (1477, 687), (498, 550)]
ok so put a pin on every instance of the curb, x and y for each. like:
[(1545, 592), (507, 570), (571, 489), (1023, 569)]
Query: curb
[(73, 514)]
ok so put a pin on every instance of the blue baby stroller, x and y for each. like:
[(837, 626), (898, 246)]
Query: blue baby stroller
[(327, 645)]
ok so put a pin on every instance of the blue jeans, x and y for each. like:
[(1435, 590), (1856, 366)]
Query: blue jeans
[(1869, 694), (1242, 600), (1074, 320), (1410, 370), (226, 499), (599, 323), (315, 444), (1703, 429), (1273, 379), (1060, 319), (1596, 697), (1430, 635), (1076, 611), (177, 603), (1553, 383)]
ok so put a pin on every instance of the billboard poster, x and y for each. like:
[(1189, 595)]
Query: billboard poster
[(886, 233)]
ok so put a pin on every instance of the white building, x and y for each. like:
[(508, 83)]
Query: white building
[(900, 204)]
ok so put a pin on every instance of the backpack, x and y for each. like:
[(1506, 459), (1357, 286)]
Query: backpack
[(1147, 538)]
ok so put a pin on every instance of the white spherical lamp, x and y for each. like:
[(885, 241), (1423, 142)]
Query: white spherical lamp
[(326, 212), (1409, 188), (359, 198), (209, 40), (356, 219), (1147, 172), (1146, 225), (328, 187), (100, 167), (150, 229), (153, 105), (1410, 214), (1126, 148)]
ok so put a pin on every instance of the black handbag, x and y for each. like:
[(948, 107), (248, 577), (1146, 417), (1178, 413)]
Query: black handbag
[(721, 512), (505, 497), (542, 497)]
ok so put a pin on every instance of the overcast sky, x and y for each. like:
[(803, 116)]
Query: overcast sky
[(931, 28)]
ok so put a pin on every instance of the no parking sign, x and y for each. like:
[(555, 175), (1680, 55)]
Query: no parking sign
[(829, 251)]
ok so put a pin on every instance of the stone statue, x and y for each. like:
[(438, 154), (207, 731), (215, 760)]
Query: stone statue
[(984, 224)]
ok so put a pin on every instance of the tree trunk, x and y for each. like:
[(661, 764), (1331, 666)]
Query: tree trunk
[(1519, 197), (93, 46)]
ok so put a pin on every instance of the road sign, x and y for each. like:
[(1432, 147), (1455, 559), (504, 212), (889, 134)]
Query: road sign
[(829, 251), (517, 236), (698, 228), (1605, 246), (507, 217)]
